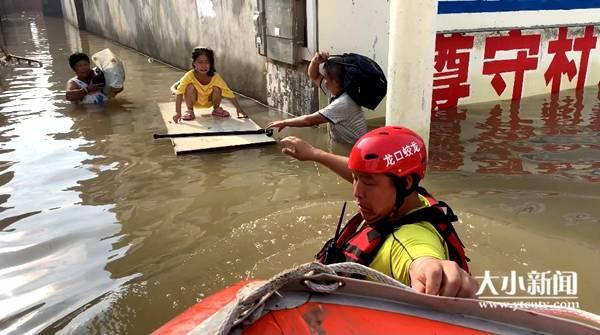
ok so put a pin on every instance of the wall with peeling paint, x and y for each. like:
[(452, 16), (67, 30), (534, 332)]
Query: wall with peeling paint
[(169, 29), (290, 89)]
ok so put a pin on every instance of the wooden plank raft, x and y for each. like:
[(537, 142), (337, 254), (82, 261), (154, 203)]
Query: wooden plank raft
[(195, 135)]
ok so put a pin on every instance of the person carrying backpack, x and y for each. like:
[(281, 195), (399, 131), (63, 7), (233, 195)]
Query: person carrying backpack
[(345, 79)]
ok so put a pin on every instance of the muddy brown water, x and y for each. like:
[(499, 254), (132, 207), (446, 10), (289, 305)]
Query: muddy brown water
[(104, 230)]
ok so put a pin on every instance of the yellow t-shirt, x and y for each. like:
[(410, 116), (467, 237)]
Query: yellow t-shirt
[(204, 91), (411, 242)]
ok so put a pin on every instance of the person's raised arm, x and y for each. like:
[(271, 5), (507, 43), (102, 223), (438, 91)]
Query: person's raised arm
[(313, 67), (303, 151)]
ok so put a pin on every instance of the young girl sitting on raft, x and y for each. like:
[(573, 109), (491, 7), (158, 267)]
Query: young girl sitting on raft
[(203, 87)]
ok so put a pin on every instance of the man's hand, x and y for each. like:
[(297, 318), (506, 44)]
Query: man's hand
[(298, 149), (436, 277)]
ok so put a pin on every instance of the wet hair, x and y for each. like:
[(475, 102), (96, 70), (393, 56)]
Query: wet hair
[(76, 57), (335, 70), (209, 53)]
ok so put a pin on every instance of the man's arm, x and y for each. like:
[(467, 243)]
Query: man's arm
[(418, 257), (303, 151)]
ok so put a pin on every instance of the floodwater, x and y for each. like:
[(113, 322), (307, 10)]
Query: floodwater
[(104, 230)]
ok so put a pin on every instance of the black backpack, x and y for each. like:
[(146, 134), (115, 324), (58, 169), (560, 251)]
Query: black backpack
[(364, 80)]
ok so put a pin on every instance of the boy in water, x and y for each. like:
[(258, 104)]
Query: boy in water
[(86, 87)]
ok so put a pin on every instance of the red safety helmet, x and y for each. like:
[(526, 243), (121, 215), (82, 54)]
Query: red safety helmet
[(392, 149)]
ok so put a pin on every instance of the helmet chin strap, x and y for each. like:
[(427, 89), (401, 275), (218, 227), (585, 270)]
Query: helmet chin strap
[(401, 191)]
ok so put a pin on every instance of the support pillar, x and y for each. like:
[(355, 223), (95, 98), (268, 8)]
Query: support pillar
[(410, 64)]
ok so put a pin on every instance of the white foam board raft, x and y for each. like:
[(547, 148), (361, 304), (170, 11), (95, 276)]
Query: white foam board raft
[(206, 123)]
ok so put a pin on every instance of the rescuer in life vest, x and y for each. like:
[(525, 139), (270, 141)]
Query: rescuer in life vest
[(400, 230)]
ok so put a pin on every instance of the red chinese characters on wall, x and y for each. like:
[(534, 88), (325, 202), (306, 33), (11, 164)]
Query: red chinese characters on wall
[(514, 53), (584, 45), (561, 64), (451, 63), (528, 49)]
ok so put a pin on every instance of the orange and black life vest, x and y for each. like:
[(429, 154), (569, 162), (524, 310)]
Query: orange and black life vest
[(361, 244)]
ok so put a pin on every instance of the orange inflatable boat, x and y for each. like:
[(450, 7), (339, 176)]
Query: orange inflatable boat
[(316, 299)]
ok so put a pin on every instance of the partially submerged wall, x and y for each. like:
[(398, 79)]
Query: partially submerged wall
[(501, 65), (468, 68), (290, 89), (481, 61), (169, 29), (69, 11)]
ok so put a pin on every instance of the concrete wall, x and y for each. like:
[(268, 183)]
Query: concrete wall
[(69, 11), (477, 15), (545, 68), (362, 26), (290, 89), (169, 29), (2, 42), (52, 7), (359, 26)]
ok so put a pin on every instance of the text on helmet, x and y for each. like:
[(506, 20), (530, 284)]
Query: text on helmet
[(406, 151)]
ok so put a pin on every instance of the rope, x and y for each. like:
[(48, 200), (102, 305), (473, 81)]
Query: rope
[(359, 269), (250, 307)]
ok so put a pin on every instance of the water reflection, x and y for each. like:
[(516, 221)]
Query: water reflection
[(54, 243), (153, 217), (554, 136), (524, 178)]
